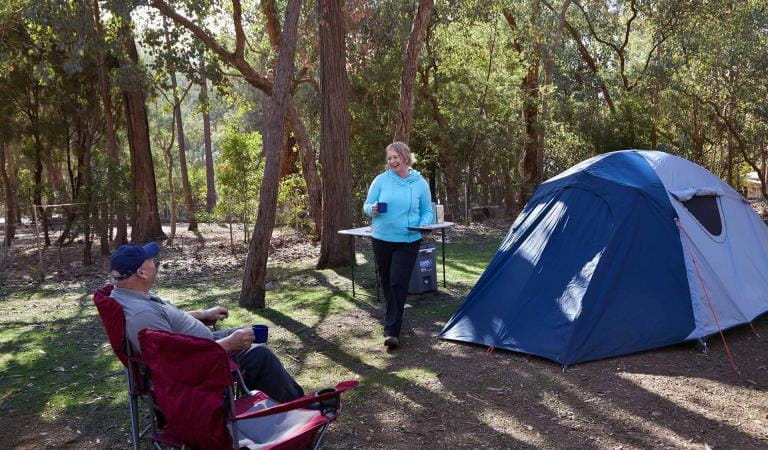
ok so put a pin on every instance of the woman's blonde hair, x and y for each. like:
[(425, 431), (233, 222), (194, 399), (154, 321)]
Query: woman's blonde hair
[(401, 148)]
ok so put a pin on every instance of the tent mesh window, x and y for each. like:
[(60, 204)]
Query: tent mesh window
[(704, 208)]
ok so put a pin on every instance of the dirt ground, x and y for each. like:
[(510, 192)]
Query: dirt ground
[(436, 394)]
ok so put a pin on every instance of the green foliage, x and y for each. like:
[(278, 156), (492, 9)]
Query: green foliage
[(239, 175), (292, 202)]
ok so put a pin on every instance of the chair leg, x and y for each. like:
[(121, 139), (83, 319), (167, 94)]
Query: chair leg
[(133, 409), (235, 434), (320, 436), (243, 388)]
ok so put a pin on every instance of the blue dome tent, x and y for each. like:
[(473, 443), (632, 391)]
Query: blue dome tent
[(624, 252)]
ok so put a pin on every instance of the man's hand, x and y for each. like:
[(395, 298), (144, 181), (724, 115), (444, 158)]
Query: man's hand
[(216, 313), (211, 315), (239, 340), (375, 209)]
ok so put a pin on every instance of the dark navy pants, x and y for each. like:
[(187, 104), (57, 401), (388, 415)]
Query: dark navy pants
[(395, 261), (262, 370)]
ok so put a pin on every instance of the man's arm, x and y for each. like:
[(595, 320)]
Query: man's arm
[(239, 340), (210, 315)]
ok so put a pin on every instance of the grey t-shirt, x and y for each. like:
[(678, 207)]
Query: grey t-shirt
[(143, 310)]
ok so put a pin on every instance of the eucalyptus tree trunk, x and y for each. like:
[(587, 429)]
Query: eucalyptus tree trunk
[(85, 139), (38, 178), (697, 134), (308, 168), (8, 180), (113, 150), (408, 75), (210, 182), (146, 220), (32, 110), (189, 204), (446, 151), (102, 212), (252, 293), (533, 159), (169, 163), (334, 136), (306, 152)]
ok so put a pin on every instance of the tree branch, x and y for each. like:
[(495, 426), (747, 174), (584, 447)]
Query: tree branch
[(237, 18), (585, 55), (237, 61), (200, 33), (310, 81), (269, 9), (648, 60), (592, 29)]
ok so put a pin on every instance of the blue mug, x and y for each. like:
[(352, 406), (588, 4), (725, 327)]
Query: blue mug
[(382, 207), (260, 334)]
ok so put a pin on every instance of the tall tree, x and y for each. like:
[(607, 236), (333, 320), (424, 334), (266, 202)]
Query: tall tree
[(167, 152), (429, 77), (8, 180), (334, 135), (110, 127), (189, 203), (236, 59), (306, 152), (252, 292), (533, 159), (146, 220), (32, 108), (408, 75), (210, 182), (85, 134)]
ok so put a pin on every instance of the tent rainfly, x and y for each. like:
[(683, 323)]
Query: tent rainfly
[(624, 252)]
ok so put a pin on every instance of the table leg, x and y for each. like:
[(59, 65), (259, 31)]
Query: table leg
[(352, 265), (442, 238)]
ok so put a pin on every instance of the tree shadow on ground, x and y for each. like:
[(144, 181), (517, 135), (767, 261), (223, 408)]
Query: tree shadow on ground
[(71, 365)]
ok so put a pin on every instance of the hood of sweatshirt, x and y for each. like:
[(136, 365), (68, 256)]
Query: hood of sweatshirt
[(413, 176)]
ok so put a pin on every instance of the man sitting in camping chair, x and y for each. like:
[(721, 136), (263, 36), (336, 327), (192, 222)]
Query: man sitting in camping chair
[(134, 270)]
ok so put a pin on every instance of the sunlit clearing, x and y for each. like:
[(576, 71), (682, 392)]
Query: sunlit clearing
[(504, 423), (734, 406), (602, 416)]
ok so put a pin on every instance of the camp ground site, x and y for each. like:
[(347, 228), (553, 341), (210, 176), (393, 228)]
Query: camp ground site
[(474, 371)]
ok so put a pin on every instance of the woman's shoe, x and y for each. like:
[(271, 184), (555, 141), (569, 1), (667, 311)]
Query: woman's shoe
[(391, 341)]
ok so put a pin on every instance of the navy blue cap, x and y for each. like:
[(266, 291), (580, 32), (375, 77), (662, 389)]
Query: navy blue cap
[(127, 259)]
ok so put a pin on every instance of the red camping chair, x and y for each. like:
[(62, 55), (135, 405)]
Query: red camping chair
[(192, 386), (136, 373)]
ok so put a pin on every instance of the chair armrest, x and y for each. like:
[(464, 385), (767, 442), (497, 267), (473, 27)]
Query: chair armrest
[(301, 401)]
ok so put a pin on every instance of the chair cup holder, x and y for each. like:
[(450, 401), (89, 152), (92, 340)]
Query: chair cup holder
[(330, 405)]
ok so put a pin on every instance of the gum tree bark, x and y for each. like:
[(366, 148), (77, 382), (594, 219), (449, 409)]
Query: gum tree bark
[(113, 151), (189, 202), (210, 183), (306, 152), (8, 180), (252, 293), (146, 220), (533, 160), (334, 136), (408, 75)]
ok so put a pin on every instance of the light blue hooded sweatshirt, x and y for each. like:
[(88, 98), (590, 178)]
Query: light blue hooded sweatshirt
[(409, 204)]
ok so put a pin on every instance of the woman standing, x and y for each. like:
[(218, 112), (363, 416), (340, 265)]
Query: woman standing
[(397, 199)]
